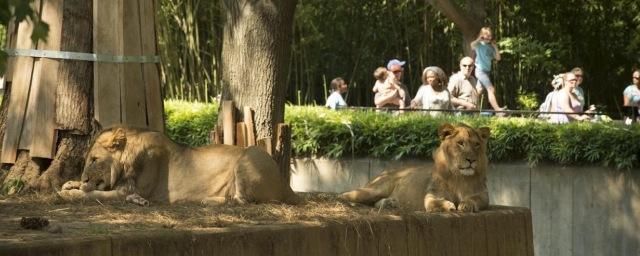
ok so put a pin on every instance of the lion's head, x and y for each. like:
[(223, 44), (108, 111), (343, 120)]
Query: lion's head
[(463, 150), (102, 166)]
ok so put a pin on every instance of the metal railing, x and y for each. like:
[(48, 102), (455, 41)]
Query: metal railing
[(478, 111)]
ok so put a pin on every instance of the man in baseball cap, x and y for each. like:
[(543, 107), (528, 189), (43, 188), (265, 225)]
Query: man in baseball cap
[(395, 66), (394, 62)]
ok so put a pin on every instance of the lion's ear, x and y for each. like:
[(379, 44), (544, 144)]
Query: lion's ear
[(445, 130), (484, 132), (118, 140)]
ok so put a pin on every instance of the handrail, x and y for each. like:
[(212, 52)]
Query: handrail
[(468, 111)]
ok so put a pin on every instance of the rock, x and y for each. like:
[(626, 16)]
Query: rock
[(37, 223)]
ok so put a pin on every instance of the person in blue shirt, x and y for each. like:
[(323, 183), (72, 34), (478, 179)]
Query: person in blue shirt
[(486, 51), (338, 87)]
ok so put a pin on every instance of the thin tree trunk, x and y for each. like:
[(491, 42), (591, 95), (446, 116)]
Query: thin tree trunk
[(255, 55)]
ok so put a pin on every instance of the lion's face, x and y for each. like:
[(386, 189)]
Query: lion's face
[(464, 148), (102, 168)]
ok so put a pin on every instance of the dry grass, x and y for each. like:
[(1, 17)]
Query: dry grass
[(99, 218)]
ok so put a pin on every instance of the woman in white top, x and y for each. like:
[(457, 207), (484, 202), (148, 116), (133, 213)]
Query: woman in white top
[(433, 93)]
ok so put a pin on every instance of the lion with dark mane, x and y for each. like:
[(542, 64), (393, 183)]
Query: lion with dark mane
[(137, 165), (457, 181)]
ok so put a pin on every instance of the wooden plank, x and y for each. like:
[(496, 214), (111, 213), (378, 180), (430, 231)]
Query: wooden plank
[(19, 93), (151, 76), (248, 119), (241, 134), (133, 89), (228, 122), (10, 43), (29, 117), (107, 39), (44, 86)]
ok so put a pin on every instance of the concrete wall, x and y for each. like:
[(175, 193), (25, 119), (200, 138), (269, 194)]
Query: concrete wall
[(500, 231), (588, 210)]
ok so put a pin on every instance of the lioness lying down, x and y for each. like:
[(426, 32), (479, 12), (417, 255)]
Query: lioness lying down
[(138, 165), (457, 181)]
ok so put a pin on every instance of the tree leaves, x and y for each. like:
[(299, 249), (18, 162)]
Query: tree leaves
[(21, 10)]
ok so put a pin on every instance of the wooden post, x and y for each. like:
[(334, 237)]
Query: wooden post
[(248, 120), (215, 136), (228, 122), (282, 154), (241, 134)]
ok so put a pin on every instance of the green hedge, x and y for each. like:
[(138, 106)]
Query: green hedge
[(189, 123), (317, 131)]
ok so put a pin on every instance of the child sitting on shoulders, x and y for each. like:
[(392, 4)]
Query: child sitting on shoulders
[(387, 89)]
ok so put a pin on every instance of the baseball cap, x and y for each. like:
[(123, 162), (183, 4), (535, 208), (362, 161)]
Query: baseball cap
[(395, 62)]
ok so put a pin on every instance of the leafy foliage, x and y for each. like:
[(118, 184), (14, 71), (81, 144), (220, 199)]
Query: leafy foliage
[(189, 123), (12, 186), (317, 131)]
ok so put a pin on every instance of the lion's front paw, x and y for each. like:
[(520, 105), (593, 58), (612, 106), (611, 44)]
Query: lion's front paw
[(72, 194), (448, 206), (440, 206), (387, 203), (72, 184), (467, 206), (137, 199)]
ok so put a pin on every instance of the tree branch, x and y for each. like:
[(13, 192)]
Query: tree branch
[(468, 24)]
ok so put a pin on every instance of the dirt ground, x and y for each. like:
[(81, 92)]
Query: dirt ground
[(93, 218)]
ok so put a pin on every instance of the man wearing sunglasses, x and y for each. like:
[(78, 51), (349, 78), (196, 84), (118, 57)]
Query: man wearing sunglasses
[(463, 87), (631, 96)]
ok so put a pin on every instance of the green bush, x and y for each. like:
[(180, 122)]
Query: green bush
[(189, 123), (317, 131)]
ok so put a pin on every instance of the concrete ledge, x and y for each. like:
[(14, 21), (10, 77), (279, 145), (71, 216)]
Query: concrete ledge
[(499, 231)]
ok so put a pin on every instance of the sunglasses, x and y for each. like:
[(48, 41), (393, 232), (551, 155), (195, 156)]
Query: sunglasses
[(468, 66), (396, 71)]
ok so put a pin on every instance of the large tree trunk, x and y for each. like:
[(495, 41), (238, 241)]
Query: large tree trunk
[(255, 54), (74, 104), (469, 21)]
